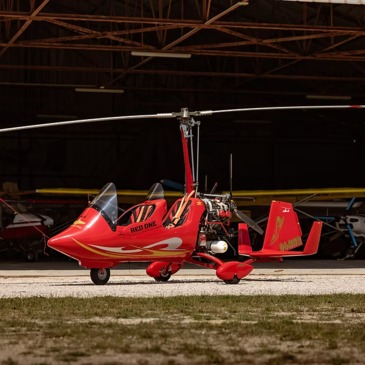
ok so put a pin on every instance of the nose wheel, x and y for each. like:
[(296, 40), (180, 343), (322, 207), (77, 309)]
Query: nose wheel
[(100, 276)]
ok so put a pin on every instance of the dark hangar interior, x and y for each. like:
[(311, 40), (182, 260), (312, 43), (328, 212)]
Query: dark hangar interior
[(65, 60)]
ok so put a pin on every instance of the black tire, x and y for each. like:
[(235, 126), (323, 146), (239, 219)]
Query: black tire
[(100, 276), (235, 280), (165, 277), (32, 256)]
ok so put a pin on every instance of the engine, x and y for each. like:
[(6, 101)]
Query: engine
[(218, 209), (214, 231)]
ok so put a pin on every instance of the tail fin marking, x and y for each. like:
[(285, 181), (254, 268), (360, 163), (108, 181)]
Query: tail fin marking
[(283, 231)]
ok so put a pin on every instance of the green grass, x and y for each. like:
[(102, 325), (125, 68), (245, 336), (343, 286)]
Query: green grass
[(270, 330)]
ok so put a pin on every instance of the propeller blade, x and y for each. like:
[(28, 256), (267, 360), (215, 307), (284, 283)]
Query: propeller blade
[(250, 222), (242, 216), (231, 174), (214, 188)]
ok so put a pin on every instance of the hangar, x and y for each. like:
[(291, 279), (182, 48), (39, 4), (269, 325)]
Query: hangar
[(70, 60), (73, 60)]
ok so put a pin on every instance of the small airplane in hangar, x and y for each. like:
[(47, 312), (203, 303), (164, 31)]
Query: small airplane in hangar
[(344, 236), (196, 229), (22, 230)]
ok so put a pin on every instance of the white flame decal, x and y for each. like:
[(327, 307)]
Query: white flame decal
[(171, 244)]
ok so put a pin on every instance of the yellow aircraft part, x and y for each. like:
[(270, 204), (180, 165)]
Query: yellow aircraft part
[(249, 197)]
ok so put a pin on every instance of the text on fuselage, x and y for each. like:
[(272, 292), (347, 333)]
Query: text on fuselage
[(142, 227)]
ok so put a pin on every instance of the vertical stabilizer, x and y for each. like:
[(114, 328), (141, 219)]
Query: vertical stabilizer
[(283, 231)]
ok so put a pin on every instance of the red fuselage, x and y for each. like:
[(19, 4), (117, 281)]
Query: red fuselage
[(92, 241)]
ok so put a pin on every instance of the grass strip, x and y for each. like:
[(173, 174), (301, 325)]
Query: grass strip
[(318, 329)]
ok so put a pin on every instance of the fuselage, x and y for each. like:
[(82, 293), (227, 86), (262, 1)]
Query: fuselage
[(96, 242)]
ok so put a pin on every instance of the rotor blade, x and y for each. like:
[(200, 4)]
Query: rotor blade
[(250, 222), (92, 120), (182, 114), (293, 107)]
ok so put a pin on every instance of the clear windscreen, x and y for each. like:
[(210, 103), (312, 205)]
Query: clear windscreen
[(106, 202), (156, 192)]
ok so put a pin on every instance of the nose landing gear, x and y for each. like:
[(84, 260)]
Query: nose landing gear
[(100, 276)]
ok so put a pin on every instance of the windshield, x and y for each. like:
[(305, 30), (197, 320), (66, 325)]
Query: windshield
[(156, 192), (106, 202)]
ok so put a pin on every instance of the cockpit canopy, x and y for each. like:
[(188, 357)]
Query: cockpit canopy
[(106, 202), (156, 192)]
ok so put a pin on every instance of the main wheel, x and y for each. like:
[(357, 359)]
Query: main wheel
[(100, 276), (32, 256), (235, 280), (163, 277)]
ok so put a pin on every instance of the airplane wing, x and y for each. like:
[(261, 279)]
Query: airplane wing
[(265, 197), (243, 198)]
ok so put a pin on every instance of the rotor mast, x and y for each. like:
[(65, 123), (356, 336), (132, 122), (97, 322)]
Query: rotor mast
[(186, 129)]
